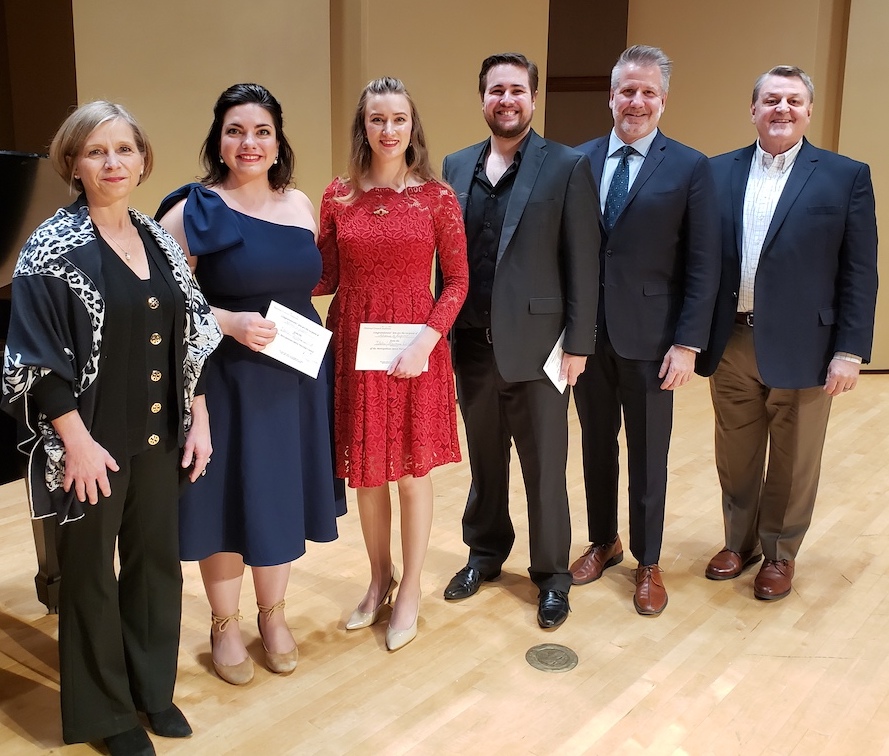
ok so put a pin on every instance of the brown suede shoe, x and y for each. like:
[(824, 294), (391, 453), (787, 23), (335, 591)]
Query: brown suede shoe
[(774, 579), (651, 596), (595, 560), (729, 564)]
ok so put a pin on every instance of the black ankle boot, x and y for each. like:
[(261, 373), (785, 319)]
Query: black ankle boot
[(169, 723), (133, 742)]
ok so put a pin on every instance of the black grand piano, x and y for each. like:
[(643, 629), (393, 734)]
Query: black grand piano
[(30, 192)]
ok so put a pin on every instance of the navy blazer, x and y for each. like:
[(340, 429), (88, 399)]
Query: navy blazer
[(816, 283), (547, 267), (659, 266)]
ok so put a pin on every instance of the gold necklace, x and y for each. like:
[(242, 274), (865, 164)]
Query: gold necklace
[(119, 245)]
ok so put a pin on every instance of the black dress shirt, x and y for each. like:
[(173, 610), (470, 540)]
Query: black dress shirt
[(485, 212)]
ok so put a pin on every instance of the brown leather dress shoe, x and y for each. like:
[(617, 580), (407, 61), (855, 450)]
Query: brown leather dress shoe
[(729, 564), (595, 560), (774, 579), (650, 598)]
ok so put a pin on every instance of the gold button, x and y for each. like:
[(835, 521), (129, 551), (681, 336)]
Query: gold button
[(156, 375), (154, 303), (156, 407), (153, 439), (155, 339)]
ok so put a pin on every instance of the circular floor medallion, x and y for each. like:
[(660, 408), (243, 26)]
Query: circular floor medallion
[(551, 657)]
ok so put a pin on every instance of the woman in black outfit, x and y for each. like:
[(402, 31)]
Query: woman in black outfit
[(106, 343)]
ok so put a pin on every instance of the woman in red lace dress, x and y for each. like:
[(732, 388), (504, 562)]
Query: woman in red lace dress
[(380, 229)]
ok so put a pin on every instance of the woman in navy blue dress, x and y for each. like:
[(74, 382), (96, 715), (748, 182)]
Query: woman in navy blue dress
[(251, 239)]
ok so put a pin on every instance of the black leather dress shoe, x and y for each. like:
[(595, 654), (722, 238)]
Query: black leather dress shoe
[(466, 583), (170, 723), (552, 608)]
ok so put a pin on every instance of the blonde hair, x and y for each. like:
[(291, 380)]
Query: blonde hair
[(75, 130), (416, 156)]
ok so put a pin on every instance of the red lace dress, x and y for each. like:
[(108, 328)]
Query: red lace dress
[(377, 253)]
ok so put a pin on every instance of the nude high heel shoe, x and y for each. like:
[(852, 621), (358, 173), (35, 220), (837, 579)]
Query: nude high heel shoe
[(280, 664), (361, 619), (236, 674), (396, 639)]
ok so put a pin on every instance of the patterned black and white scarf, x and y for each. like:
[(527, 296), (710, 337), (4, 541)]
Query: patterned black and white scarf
[(56, 268)]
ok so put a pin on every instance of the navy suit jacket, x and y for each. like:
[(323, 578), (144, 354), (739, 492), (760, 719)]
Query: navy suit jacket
[(816, 283), (546, 261), (659, 266)]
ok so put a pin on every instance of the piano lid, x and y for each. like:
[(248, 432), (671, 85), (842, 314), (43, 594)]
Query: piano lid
[(30, 192)]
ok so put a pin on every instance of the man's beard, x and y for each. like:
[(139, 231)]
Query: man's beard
[(501, 133)]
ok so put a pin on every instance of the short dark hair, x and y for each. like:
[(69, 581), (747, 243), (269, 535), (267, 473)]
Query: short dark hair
[(788, 72), (507, 59), (281, 173), (644, 55)]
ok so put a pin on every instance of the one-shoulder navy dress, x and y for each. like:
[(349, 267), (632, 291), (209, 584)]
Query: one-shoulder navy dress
[(270, 485)]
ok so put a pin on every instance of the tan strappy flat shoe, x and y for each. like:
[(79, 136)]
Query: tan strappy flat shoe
[(236, 674), (280, 664)]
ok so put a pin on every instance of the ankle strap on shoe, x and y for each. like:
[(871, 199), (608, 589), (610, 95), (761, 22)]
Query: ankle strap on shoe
[(221, 623), (268, 611)]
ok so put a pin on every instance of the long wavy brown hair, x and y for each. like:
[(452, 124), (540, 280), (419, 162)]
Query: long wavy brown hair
[(416, 156)]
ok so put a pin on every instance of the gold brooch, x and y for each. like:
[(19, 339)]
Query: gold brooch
[(381, 211)]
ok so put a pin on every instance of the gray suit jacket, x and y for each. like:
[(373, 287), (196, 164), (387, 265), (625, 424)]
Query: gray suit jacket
[(547, 263)]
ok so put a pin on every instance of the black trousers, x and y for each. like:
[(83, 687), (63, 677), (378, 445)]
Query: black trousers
[(609, 384), (119, 636), (534, 415)]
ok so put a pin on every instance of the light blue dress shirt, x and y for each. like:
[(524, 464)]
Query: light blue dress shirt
[(614, 144)]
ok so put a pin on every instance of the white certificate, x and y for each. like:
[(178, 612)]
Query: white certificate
[(553, 365), (300, 343), (380, 343)]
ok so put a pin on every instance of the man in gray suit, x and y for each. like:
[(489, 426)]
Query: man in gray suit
[(794, 321), (532, 243), (659, 271)]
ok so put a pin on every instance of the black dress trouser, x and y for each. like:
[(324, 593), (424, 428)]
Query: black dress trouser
[(119, 635), (534, 415)]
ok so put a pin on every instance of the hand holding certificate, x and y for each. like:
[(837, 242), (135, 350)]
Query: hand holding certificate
[(380, 343), (553, 365), (300, 343)]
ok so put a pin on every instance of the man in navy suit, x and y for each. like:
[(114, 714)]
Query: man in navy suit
[(658, 276), (531, 240), (794, 321)]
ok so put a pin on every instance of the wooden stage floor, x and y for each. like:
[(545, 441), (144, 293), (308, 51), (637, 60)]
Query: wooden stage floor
[(718, 672)]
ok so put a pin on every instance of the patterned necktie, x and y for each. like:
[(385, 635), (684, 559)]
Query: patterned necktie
[(619, 188)]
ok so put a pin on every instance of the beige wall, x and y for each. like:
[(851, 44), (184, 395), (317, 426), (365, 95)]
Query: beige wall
[(866, 71), (436, 49), (718, 56), (169, 64)]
